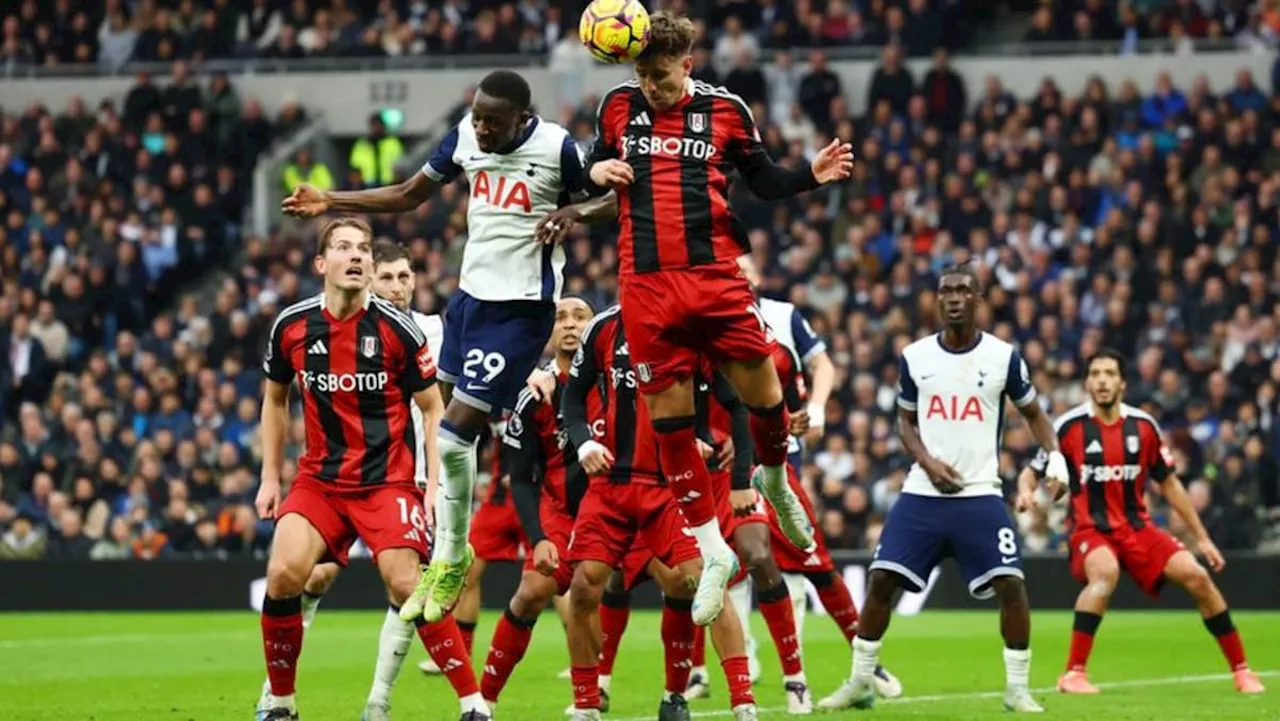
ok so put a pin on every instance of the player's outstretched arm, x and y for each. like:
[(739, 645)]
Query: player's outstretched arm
[(308, 202), (1176, 494), (431, 403), (275, 423), (770, 181)]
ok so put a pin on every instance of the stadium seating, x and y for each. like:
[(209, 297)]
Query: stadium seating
[(1141, 218)]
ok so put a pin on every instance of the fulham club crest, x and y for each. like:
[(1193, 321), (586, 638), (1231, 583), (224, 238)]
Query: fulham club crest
[(368, 346), (1132, 444), (697, 122)]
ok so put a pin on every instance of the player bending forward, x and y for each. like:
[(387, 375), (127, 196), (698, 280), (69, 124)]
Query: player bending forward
[(393, 280), (537, 448), (665, 143), (519, 168), (951, 391), (1112, 449), (358, 360)]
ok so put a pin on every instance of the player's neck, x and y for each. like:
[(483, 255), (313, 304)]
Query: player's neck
[(562, 363), (959, 338), (1106, 414), (342, 304)]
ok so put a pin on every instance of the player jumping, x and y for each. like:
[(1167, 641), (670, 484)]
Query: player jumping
[(1113, 449), (951, 392), (519, 168), (357, 360), (664, 143), (536, 449)]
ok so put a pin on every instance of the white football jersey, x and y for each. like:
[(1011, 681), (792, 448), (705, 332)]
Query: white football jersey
[(958, 398), (797, 336), (433, 327), (510, 192)]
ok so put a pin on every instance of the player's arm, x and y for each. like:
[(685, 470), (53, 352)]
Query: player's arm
[(417, 378), (1019, 388), (822, 372), (275, 419), (605, 167), (945, 478), (744, 450), (770, 181), (431, 402), (584, 373), (522, 453), (1161, 469)]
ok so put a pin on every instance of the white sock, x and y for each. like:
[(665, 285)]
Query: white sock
[(310, 604), (711, 539), (795, 678), (281, 702), (393, 647), (453, 523), (1017, 669), (474, 702), (605, 680), (866, 656), (740, 597), (799, 592), (699, 671)]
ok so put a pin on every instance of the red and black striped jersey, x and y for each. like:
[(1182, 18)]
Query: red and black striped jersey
[(676, 214), (1109, 466), (357, 377), (538, 451), (602, 367)]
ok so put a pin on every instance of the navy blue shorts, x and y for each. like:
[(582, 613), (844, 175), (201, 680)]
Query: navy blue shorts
[(976, 531), (490, 348)]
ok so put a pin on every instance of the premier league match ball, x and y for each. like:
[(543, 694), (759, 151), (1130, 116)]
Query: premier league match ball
[(614, 31)]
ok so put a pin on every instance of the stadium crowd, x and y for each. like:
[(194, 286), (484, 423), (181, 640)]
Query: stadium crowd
[(1140, 218), (114, 32)]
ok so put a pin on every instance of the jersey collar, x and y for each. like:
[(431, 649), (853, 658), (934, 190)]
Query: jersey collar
[(324, 300)]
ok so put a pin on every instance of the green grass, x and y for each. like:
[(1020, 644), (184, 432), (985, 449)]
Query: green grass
[(208, 666)]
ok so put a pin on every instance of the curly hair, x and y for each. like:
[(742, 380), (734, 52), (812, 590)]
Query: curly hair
[(670, 36)]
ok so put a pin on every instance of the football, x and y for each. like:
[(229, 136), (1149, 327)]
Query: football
[(614, 31)]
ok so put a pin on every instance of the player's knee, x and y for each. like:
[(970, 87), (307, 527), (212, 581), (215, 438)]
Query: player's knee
[(286, 579), (530, 599), (758, 561), (881, 585), (1009, 590), (584, 593), (615, 585), (1195, 579), (322, 579)]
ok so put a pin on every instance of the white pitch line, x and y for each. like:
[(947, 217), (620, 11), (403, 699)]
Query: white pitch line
[(1137, 683)]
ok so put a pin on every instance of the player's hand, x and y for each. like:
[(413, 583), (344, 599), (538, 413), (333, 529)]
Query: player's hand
[(799, 425), (834, 162), (1026, 500), (1055, 473), (1212, 555), (705, 449), (306, 202), (612, 174), (724, 456), (1057, 489), (595, 458), (743, 501), (945, 478), (555, 226), (542, 384), (546, 558), (268, 500)]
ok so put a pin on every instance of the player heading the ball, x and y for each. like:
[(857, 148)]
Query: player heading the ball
[(520, 167)]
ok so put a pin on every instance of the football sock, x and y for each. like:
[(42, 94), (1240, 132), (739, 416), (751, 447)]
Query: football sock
[(586, 686), (738, 676), (740, 597), (510, 641), (775, 606), (1082, 633), (458, 456), (1228, 637), (690, 480), (443, 642), (866, 656), (393, 647), (468, 631), (282, 643), (836, 599), (677, 643), (310, 604), (1017, 667), (615, 611), (769, 433), (698, 654)]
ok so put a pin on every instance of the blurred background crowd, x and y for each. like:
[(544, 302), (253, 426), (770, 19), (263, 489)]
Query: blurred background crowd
[(1142, 218)]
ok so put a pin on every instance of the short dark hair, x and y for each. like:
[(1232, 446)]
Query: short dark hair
[(670, 36), (509, 86), (333, 226), (575, 296), (1112, 354), (965, 269), (388, 251)]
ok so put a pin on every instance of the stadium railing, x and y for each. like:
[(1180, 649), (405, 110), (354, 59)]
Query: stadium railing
[(1250, 580)]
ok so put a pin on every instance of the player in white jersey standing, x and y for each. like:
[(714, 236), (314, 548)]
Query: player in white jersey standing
[(951, 392), (520, 168), (393, 280)]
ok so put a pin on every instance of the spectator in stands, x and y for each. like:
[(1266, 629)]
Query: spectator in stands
[(23, 541), (376, 154), (891, 81)]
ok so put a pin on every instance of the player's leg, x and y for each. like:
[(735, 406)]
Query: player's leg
[(911, 545), (585, 592), (985, 546), (467, 612), (317, 585), (677, 630), (740, 596), (615, 612), (395, 531), (514, 631), (1094, 563), (1183, 569), (299, 544), (561, 604), (751, 540), (394, 641)]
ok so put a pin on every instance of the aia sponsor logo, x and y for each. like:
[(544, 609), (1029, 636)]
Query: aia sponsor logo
[(501, 192), (955, 408)]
